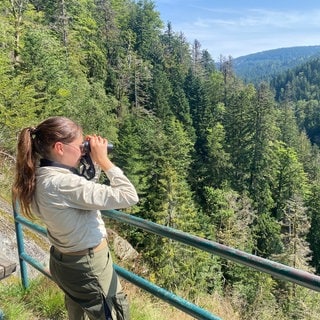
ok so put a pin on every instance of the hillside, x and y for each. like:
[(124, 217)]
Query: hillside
[(264, 65)]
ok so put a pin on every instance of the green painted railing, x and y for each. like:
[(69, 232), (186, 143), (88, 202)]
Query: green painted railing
[(275, 269)]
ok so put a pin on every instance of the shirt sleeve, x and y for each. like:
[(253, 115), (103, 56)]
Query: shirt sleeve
[(78, 192)]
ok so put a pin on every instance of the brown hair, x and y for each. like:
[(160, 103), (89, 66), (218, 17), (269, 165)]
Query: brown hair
[(33, 144)]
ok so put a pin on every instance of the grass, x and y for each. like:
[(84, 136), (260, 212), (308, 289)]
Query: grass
[(43, 300)]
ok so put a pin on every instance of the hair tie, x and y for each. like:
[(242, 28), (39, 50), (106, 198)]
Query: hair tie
[(33, 130)]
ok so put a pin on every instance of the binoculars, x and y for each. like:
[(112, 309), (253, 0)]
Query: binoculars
[(87, 168), (86, 146)]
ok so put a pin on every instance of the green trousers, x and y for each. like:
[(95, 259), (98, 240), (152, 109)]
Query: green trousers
[(91, 286)]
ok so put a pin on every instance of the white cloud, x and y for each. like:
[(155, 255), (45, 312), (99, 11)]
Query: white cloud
[(235, 33)]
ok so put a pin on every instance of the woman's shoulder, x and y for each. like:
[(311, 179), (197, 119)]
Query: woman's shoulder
[(56, 176)]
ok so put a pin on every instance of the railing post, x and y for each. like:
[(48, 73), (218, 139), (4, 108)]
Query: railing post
[(21, 251)]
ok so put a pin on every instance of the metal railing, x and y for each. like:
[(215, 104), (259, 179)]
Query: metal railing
[(275, 269)]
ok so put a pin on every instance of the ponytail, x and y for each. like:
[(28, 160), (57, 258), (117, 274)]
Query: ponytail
[(24, 181)]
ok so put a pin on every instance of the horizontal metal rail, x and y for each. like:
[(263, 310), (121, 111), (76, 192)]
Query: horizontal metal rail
[(275, 269), (31, 225)]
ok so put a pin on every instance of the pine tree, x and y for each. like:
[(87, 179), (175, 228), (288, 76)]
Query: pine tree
[(146, 24), (295, 227), (313, 236), (290, 179), (264, 133), (239, 126)]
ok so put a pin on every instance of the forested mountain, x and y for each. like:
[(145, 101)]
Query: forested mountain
[(265, 65), (301, 86), (208, 153)]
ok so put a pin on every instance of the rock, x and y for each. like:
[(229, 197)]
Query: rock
[(122, 248)]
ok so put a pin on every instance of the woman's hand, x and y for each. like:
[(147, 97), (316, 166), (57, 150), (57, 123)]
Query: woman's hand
[(99, 151)]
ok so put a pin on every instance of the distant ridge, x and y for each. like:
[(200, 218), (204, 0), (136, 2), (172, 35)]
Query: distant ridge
[(262, 66)]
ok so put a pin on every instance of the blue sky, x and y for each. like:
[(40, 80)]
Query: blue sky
[(241, 27)]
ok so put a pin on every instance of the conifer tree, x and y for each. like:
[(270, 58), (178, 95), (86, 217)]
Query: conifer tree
[(239, 127), (313, 236), (262, 162), (145, 22), (296, 253), (290, 179)]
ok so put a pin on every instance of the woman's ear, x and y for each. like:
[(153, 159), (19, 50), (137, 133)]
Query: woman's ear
[(58, 148)]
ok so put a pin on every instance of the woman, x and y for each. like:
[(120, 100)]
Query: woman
[(47, 184)]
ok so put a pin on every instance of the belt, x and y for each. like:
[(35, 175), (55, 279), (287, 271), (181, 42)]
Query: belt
[(103, 244)]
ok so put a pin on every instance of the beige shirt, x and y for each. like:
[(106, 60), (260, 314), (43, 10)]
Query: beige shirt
[(70, 205)]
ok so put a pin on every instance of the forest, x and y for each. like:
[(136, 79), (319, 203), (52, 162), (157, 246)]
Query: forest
[(232, 162), (265, 65)]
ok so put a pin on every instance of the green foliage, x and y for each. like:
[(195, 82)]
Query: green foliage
[(239, 132), (146, 24), (18, 105), (47, 299), (232, 215), (256, 297), (290, 178), (42, 298), (267, 231), (314, 232)]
